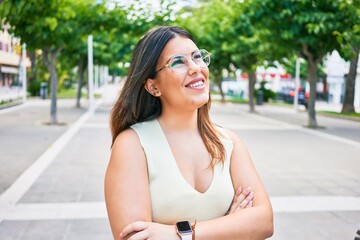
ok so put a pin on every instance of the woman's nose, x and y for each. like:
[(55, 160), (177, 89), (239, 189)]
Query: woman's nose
[(193, 67)]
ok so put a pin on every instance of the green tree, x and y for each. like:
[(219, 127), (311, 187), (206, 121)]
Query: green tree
[(306, 28), (124, 33), (207, 21), (289, 64), (102, 24), (247, 50), (123, 24), (350, 50), (348, 104), (45, 25), (224, 28)]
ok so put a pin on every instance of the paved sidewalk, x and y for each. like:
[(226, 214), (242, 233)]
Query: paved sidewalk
[(311, 176), (24, 136), (60, 195)]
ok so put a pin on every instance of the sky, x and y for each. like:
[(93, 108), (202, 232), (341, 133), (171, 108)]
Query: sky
[(156, 3)]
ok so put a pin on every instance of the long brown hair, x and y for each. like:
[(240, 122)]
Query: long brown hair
[(135, 104)]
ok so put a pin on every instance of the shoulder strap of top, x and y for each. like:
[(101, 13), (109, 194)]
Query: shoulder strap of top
[(228, 144), (146, 131), (154, 144)]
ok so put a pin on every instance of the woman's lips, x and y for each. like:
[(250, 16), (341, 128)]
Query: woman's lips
[(195, 83)]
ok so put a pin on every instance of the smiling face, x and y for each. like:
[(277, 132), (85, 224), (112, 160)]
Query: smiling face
[(188, 90)]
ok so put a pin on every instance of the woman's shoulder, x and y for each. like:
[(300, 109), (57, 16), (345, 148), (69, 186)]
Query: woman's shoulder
[(136, 134), (126, 138), (127, 147), (229, 135)]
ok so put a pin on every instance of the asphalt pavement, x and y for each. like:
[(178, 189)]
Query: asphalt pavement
[(51, 177)]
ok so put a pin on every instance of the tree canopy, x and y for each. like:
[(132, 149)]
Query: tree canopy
[(49, 26), (309, 29), (62, 26), (239, 34)]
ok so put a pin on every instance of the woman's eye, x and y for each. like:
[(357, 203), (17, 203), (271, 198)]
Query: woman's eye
[(177, 62), (197, 56)]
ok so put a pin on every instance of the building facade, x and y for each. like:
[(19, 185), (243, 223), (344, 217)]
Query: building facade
[(336, 68), (10, 67), (9, 59)]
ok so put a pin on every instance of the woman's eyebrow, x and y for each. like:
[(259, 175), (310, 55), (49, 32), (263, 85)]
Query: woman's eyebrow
[(179, 55)]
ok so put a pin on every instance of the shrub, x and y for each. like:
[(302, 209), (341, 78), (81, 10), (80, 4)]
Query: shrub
[(34, 88)]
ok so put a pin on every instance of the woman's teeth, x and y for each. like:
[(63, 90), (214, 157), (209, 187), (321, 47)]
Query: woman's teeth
[(196, 84)]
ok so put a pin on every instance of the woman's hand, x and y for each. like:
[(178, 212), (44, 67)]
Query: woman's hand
[(148, 230), (242, 199)]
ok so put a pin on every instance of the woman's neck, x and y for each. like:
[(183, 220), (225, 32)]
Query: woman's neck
[(179, 121)]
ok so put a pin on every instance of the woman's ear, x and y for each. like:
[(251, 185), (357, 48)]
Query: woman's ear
[(150, 86)]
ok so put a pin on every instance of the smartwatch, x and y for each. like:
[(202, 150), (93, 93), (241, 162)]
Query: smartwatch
[(184, 230)]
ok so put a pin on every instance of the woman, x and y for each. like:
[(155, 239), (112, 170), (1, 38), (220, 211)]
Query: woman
[(172, 173)]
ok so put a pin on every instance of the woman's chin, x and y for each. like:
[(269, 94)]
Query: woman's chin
[(200, 101)]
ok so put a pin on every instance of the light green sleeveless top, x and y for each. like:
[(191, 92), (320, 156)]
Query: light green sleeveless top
[(172, 198)]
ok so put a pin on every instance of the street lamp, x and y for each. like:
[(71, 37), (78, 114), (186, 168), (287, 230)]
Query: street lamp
[(90, 73), (23, 72)]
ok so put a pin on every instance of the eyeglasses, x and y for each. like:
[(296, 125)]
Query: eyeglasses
[(180, 64)]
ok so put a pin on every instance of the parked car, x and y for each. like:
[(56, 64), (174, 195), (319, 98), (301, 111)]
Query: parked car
[(288, 94)]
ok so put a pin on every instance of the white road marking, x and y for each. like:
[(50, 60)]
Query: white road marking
[(281, 125), (94, 210), (258, 127), (22, 184), (38, 211), (315, 203), (97, 125), (12, 109)]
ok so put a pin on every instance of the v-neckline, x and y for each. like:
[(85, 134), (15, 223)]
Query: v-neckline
[(175, 165)]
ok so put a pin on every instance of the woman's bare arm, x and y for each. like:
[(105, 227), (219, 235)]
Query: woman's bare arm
[(126, 183), (249, 223)]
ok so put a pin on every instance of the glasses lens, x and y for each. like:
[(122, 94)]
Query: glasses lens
[(205, 56), (178, 64)]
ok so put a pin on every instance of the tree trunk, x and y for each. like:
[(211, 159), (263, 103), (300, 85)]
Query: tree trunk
[(33, 76), (252, 80), (348, 104), (312, 77), (54, 88), (50, 57), (312, 67), (218, 82), (81, 69)]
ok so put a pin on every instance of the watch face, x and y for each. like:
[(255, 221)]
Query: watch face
[(184, 227)]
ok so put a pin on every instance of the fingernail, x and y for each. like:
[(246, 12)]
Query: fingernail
[(120, 235), (251, 193), (239, 190), (251, 203), (248, 188)]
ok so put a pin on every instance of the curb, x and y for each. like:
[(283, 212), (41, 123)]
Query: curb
[(343, 117)]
